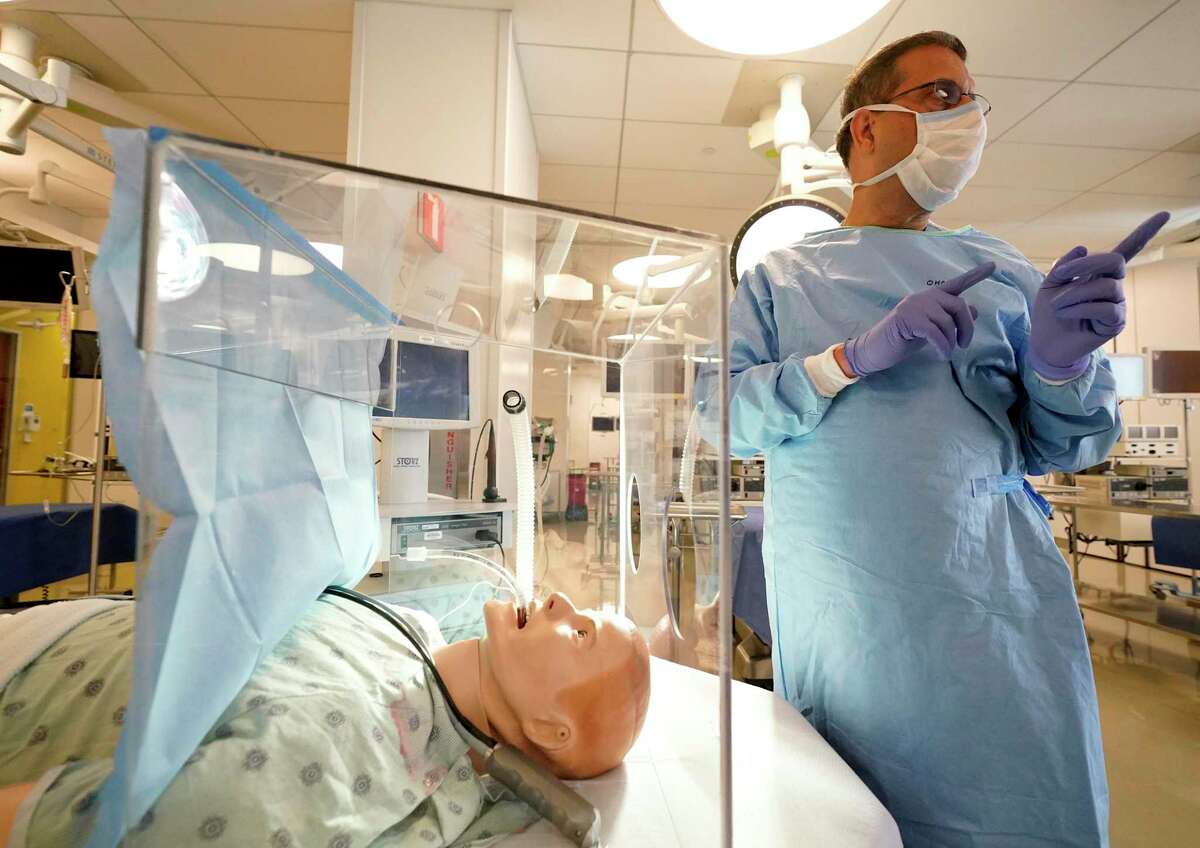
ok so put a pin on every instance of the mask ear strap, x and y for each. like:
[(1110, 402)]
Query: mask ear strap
[(876, 107)]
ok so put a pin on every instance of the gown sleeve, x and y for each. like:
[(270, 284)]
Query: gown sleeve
[(771, 400), (1068, 426)]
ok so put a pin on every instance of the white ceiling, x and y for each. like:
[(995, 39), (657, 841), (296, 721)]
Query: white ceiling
[(1096, 112), (1096, 102)]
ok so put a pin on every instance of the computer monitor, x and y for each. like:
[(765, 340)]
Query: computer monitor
[(437, 383), (1130, 373), (1175, 373), (85, 355)]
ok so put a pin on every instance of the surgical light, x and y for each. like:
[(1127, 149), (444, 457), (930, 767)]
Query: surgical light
[(767, 27), (631, 272), (566, 287), (777, 224), (181, 264)]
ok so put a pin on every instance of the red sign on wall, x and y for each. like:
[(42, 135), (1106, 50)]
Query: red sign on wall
[(433, 220)]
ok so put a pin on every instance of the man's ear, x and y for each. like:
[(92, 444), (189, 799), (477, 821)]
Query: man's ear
[(547, 734), (862, 130)]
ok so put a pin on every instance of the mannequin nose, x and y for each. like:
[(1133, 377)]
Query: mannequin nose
[(558, 606)]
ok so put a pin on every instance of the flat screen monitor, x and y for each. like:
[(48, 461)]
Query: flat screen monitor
[(1175, 373), (436, 385), (85, 355), (1130, 372)]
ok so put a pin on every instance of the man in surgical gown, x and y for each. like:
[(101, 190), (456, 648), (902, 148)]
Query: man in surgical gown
[(901, 380)]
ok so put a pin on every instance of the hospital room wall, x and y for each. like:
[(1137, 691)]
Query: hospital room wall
[(39, 381), (437, 93), (1164, 307), (1163, 311)]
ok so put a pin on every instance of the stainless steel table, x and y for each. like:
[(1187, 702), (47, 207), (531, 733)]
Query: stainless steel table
[(1135, 609)]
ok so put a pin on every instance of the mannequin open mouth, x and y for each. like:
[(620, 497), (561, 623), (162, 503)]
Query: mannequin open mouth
[(522, 617)]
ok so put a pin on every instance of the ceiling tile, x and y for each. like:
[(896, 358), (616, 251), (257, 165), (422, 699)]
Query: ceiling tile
[(204, 115), (1046, 242), (567, 81), (585, 206), (81, 7), (680, 88), (1028, 38), (758, 86), (832, 119), (1053, 166), (721, 222), (1192, 145), (650, 144), (56, 38), (1121, 211), (1011, 99), (1167, 175), (299, 14), (693, 188), (823, 139), (577, 141), (289, 125), (653, 32), (573, 23), (1113, 116), (121, 39), (988, 204), (574, 184), (1164, 53), (283, 64)]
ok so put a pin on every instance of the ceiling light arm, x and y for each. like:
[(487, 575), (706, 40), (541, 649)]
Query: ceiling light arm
[(23, 94), (76, 144)]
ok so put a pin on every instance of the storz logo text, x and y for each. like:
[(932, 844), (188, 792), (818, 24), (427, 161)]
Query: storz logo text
[(407, 462)]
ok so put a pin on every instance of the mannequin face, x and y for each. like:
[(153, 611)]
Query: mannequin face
[(572, 685)]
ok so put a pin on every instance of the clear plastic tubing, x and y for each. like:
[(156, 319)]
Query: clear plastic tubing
[(422, 554)]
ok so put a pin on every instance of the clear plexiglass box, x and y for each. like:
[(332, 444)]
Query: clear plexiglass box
[(290, 342)]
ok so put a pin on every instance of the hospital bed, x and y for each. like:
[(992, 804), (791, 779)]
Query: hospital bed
[(790, 787)]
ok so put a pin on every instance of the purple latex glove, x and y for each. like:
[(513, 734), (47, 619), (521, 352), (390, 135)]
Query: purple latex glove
[(937, 315), (1081, 305)]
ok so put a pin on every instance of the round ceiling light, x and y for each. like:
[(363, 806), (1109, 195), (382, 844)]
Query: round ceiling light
[(777, 224), (767, 27), (631, 272)]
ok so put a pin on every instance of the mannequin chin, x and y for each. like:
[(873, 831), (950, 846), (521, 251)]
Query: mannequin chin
[(569, 689)]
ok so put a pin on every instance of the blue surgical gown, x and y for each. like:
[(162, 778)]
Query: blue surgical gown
[(923, 619)]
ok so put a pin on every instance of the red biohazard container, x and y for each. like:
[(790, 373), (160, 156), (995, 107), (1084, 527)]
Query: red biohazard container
[(577, 496)]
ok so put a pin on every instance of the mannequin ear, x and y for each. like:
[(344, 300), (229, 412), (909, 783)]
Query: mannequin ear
[(547, 734)]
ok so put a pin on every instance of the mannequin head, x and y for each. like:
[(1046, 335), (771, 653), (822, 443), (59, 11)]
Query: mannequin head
[(570, 688)]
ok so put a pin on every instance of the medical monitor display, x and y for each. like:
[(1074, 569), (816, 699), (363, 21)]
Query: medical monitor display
[(1175, 373), (1130, 373), (433, 387), (85, 355)]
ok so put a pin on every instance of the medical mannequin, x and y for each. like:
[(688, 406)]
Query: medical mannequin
[(570, 688)]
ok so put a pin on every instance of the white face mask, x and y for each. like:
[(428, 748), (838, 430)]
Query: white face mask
[(945, 157)]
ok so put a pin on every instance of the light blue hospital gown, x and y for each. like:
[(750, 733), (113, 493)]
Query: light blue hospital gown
[(923, 619)]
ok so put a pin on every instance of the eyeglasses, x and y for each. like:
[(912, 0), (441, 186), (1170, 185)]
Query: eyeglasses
[(947, 93)]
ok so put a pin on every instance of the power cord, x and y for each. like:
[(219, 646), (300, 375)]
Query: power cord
[(475, 456)]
